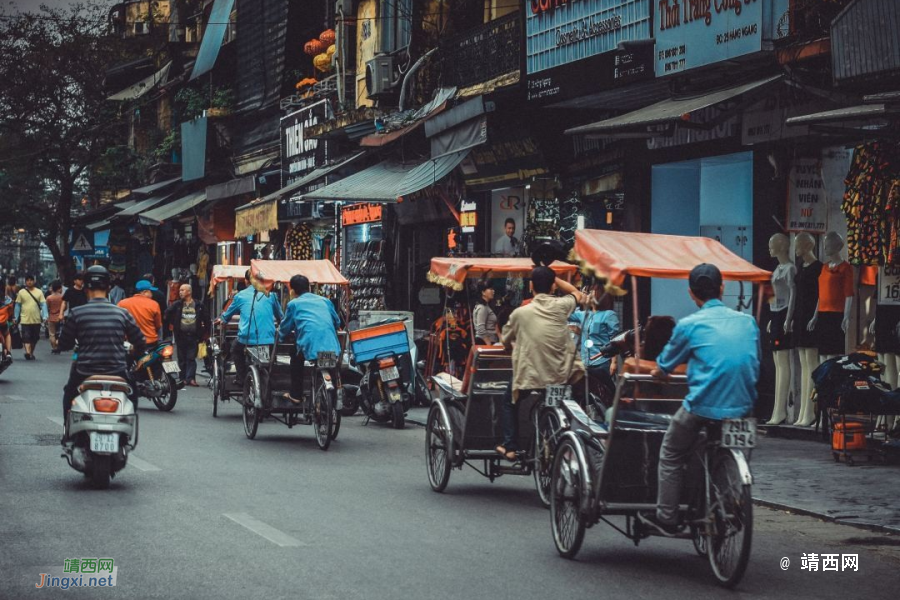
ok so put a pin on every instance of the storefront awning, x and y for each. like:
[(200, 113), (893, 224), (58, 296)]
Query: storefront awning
[(141, 206), (399, 124), (229, 189), (172, 209), (213, 35), (673, 110), (154, 187), (388, 181), (862, 112), (134, 91), (99, 225)]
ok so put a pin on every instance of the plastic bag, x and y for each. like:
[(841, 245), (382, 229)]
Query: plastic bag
[(201, 350)]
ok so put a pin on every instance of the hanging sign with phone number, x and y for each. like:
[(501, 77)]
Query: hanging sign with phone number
[(889, 286)]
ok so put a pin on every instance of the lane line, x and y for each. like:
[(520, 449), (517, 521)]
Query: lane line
[(138, 463), (277, 537)]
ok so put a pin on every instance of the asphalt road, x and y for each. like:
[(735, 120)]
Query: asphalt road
[(206, 513)]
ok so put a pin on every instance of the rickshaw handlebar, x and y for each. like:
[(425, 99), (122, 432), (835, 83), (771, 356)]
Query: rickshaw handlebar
[(644, 377)]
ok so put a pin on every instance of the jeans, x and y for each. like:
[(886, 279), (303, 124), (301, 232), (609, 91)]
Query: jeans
[(673, 458), (70, 391), (239, 360), (187, 357)]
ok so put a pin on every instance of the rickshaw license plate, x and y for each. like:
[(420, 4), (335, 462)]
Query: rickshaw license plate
[(170, 366), (326, 360), (390, 374), (739, 433), (104, 442), (556, 394)]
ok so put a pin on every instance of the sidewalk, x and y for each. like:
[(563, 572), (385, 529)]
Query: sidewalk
[(799, 475)]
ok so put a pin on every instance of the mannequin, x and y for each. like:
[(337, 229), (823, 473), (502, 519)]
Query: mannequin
[(806, 300), (832, 316), (779, 328)]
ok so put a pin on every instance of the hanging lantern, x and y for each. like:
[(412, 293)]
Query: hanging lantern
[(331, 50), (314, 47), (327, 37), (322, 62), (305, 82)]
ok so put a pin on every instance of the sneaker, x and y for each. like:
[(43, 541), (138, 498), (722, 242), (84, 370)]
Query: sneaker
[(654, 526)]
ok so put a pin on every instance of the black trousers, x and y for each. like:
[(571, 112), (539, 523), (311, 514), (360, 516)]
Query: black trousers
[(239, 360), (70, 391), (297, 373), (187, 357)]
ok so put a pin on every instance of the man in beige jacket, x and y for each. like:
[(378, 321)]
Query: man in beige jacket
[(543, 352)]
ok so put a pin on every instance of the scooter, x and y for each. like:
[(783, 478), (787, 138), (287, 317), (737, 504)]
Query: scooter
[(154, 375), (6, 360), (382, 394), (101, 429)]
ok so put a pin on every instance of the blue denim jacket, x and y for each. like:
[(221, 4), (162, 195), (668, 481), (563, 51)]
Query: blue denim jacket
[(315, 322), (258, 315)]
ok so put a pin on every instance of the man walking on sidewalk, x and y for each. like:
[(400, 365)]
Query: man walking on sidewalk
[(189, 322), (75, 296), (55, 320), (31, 312)]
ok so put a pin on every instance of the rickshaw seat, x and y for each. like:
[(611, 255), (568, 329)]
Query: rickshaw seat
[(490, 375), (472, 362), (631, 365)]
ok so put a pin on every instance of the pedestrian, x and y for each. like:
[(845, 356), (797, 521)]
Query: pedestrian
[(158, 296), (12, 287), (189, 322), (31, 312), (75, 296), (144, 310), (117, 292), (55, 315), (486, 331)]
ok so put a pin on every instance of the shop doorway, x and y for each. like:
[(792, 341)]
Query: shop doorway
[(712, 197)]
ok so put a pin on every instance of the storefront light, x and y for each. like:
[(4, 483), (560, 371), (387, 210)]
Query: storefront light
[(580, 224)]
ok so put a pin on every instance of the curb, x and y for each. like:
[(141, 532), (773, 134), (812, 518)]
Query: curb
[(827, 518)]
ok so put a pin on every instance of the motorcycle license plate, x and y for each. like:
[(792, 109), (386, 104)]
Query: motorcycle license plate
[(170, 366), (104, 442), (739, 433), (556, 394), (390, 374)]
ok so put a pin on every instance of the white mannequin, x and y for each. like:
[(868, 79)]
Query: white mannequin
[(809, 356), (779, 247), (832, 245)]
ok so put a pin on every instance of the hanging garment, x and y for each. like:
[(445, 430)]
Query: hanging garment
[(865, 203), (298, 242)]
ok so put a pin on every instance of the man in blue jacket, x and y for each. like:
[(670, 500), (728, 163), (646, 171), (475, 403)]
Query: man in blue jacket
[(259, 313), (314, 322), (721, 349)]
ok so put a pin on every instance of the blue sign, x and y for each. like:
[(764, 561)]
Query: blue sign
[(694, 33)]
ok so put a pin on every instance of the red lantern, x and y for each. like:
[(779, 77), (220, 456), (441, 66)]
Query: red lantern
[(314, 47), (327, 37)]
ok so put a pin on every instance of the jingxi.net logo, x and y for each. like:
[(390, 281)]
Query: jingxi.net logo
[(80, 572)]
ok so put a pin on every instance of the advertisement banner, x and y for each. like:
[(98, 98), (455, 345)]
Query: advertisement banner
[(507, 221), (807, 205), (889, 286), (691, 34), (299, 153)]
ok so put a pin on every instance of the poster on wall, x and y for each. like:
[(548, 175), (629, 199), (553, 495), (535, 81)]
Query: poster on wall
[(507, 221), (889, 286), (807, 205)]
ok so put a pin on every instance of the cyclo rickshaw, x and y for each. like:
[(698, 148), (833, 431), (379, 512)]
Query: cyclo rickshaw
[(607, 465), (463, 423), (269, 367), (222, 286)]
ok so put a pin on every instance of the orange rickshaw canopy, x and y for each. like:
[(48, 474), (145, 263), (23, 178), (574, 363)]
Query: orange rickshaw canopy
[(222, 273), (453, 272), (322, 272), (615, 254)]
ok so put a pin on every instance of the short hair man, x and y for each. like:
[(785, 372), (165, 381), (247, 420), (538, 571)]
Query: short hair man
[(507, 244), (721, 348), (75, 296), (55, 314), (144, 310), (189, 321), (31, 312)]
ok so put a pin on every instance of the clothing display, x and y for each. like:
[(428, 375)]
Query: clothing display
[(778, 339), (829, 335), (871, 211), (806, 297), (835, 286), (782, 280), (298, 242), (368, 277), (887, 318)]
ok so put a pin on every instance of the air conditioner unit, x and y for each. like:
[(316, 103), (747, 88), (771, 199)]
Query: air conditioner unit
[(379, 75), (141, 28)]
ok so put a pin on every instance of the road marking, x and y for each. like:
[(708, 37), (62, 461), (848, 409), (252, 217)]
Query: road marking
[(279, 538), (133, 460), (16, 398)]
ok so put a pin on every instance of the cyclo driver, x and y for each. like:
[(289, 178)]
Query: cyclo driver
[(100, 328), (721, 349), (315, 323)]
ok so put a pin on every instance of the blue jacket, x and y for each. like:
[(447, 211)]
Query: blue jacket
[(721, 349), (315, 322), (600, 327), (258, 315)]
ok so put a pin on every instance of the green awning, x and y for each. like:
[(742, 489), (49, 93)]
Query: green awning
[(172, 209), (388, 181), (141, 206)]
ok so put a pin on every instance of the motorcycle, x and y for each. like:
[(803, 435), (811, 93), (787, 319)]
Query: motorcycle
[(350, 380), (154, 375), (6, 360), (101, 429), (382, 395)]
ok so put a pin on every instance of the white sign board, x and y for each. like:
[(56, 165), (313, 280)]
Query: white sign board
[(807, 205), (889, 286)]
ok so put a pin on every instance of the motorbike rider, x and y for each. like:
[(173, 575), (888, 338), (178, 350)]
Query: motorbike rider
[(7, 310), (315, 323), (543, 352), (721, 349), (258, 314), (145, 310), (99, 328)]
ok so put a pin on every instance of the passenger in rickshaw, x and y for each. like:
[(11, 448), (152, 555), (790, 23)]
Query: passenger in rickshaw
[(597, 324), (256, 327), (543, 352), (483, 316), (314, 322), (721, 348)]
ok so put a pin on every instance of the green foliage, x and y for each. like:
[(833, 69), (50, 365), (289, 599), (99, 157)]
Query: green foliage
[(170, 142), (190, 102)]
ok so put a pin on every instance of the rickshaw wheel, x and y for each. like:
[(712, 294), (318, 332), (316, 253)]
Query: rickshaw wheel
[(699, 538), (217, 383), (566, 520), (336, 423), (251, 396), (323, 413), (544, 441), (732, 527), (437, 444)]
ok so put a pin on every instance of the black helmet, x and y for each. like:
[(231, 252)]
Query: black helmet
[(97, 278)]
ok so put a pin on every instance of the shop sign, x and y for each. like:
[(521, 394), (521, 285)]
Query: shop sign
[(357, 214), (889, 285), (468, 221), (807, 205), (253, 220), (565, 40), (694, 33), (684, 135), (300, 153)]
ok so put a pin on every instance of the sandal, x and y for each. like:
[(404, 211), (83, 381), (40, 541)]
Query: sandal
[(292, 399), (509, 455)]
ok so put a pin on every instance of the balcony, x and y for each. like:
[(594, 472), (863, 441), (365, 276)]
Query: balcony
[(482, 54)]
